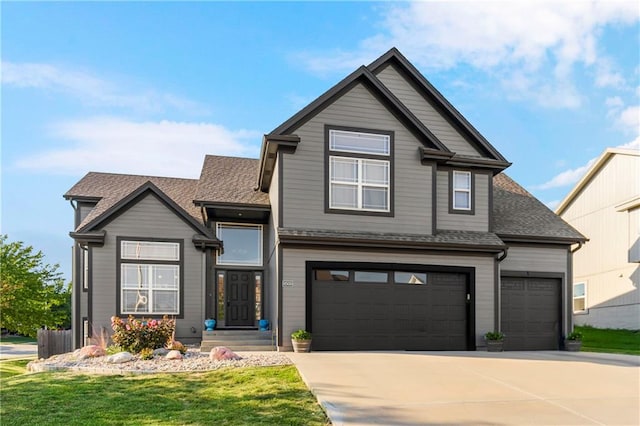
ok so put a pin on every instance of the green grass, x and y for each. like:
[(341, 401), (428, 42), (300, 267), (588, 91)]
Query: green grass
[(608, 340), (17, 339), (243, 396)]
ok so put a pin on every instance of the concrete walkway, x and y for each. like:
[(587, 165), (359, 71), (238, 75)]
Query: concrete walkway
[(479, 388), (18, 350)]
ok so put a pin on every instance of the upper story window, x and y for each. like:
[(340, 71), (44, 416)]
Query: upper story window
[(150, 277), (462, 193), (359, 171), (242, 244)]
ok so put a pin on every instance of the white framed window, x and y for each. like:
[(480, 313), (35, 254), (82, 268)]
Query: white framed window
[(85, 269), (580, 297), (242, 244), (461, 194), (358, 184), (359, 171), (150, 277)]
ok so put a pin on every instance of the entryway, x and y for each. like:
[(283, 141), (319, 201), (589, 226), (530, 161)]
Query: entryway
[(238, 299)]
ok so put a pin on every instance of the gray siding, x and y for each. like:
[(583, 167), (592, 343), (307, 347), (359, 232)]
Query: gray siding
[(294, 297), (85, 209), (479, 221), (271, 267), (149, 218), (545, 260), (304, 172), (423, 110)]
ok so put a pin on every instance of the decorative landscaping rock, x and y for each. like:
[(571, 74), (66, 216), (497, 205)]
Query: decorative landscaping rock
[(174, 355), (119, 358), (220, 353), (160, 352), (91, 351)]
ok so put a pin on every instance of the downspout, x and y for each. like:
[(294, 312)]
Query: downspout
[(580, 244), (497, 292)]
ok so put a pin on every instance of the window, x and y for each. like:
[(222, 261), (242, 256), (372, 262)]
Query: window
[(85, 269), (461, 198), (359, 171), (370, 277), (150, 277), (329, 275), (410, 278), (579, 297), (242, 244)]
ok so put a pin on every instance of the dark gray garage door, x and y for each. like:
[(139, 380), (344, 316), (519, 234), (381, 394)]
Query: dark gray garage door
[(531, 313), (388, 310)]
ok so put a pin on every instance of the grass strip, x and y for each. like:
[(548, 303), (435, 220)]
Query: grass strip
[(610, 340)]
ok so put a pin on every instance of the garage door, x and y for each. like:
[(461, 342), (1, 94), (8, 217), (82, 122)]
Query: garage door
[(531, 313), (388, 310)]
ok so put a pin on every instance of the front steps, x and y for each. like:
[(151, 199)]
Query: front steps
[(238, 340)]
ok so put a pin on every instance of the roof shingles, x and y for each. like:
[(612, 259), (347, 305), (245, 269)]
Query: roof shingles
[(230, 180), (517, 213), (111, 188)]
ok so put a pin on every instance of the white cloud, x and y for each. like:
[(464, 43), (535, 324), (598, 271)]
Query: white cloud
[(571, 176), (629, 119), (163, 148), (566, 178), (553, 204), (514, 41), (91, 89)]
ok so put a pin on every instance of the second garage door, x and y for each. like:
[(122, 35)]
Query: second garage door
[(531, 313), (389, 310)]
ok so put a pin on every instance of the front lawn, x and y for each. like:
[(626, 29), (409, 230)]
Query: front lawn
[(608, 340), (239, 396)]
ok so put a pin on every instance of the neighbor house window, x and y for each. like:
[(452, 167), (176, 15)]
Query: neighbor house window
[(150, 277), (461, 194), (359, 171), (242, 244), (579, 297)]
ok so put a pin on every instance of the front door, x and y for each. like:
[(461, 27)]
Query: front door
[(240, 295)]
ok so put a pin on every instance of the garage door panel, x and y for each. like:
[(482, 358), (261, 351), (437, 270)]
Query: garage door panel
[(530, 310), (388, 316)]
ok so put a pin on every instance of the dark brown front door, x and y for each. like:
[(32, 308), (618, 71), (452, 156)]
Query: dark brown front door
[(240, 294)]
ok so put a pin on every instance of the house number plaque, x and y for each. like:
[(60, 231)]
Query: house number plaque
[(287, 283)]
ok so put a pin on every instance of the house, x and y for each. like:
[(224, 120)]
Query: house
[(605, 206), (377, 217)]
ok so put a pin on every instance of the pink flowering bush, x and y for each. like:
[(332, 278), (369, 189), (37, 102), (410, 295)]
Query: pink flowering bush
[(135, 335)]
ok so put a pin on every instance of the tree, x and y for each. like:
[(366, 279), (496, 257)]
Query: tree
[(33, 294)]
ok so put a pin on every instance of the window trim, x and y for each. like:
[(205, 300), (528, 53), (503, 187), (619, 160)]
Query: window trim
[(245, 225), (179, 263), (390, 158), (573, 298), (472, 197)]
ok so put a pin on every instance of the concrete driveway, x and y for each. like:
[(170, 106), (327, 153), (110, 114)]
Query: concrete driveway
[(18, 350), (479, 388)]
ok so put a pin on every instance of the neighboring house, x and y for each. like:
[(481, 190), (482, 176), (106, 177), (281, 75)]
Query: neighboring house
[(605, 206), (377, 218)]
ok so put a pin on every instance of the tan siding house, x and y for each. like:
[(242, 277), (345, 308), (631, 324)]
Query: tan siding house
[(605, 206)]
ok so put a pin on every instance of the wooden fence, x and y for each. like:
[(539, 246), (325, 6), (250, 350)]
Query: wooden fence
[(53, 342)]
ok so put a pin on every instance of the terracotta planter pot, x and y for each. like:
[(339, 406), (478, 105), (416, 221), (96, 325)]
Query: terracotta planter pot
[(572, 345), (301, 345), (495, 345)]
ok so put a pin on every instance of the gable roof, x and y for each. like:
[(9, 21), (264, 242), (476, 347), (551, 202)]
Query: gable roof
[(229, 180), (518, 215), (433, 96), (363, 76), (593, 170), (113, 192)]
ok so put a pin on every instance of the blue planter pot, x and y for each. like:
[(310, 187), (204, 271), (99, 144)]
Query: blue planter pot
[(263, 324), (209, 324)]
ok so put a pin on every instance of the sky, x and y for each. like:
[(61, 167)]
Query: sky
[(150, 88)]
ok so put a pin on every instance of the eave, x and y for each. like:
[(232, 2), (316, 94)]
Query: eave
[(541, 239), (271, 145), (95, 238)]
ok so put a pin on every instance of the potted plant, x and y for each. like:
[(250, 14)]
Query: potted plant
[(495, 341), (573, 341), (301, 340)]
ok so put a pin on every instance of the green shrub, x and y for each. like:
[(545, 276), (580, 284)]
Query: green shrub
[(135, 335), (146, 353), (301, 335), (113, 349), (494, 335), (574, 335)]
